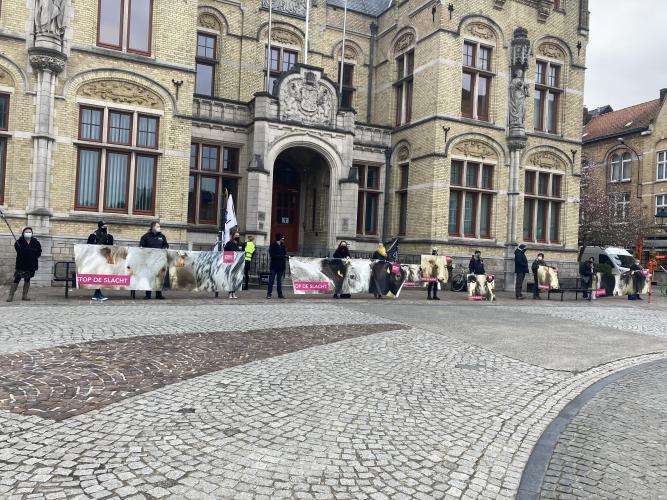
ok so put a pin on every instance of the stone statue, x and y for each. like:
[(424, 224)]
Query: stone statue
[(518, 94), (50, 16)]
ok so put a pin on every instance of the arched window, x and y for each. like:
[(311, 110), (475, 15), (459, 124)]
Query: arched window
[(620, 167)]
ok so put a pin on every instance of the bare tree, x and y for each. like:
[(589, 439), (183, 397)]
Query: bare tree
[(607, 219)]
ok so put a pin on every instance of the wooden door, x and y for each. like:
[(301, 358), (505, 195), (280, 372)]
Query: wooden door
[(286, 215)]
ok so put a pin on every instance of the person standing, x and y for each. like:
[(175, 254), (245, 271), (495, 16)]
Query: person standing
[(539, 261), (636, 282), (587, 271), (28, 252), (249, 248), (521, 269), (476, 264), (342, 252), (100, 237), (154, 239), (432, 286), (278, 258), (234, 245)]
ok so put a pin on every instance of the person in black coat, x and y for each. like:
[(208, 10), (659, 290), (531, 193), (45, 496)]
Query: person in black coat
[(476, 265), (636, 267), (521, 269), (539, 261), (28, 252), (278, 257), (587, 271), (154, 239), (100, 237), (234, 245), (342, 252)]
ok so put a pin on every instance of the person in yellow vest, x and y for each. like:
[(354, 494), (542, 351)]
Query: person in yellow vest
[(249, 248)]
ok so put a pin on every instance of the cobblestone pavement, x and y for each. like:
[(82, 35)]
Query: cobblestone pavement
[(616, 446), (375, 412)]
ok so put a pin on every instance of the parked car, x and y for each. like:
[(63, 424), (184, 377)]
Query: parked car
[(619, 259)]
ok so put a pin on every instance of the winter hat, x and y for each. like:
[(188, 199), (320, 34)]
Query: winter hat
[(101, 223), (280, 236), (522, 247)]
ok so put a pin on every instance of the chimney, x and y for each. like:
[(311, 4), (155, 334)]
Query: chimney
[(587, 116), (663, 94)]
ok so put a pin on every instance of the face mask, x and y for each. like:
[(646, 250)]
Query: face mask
[(27, 235), (237, 238), (104, 230), (157, 230)]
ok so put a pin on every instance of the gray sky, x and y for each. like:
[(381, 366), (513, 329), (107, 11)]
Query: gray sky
[(627, 52)]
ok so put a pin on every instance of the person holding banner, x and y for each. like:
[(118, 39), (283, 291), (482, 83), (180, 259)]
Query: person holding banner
[(28, 252), (154, 239), (539, 261), (278, 256), (234, 245), (342, 252), (476, 265), (432, 287), (100, 237)]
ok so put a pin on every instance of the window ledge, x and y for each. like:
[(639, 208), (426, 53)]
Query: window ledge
[(117, 147)]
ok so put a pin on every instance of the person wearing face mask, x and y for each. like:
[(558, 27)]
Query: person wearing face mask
[(154, 239), (342, 252), (28, 252), (476, 265), (234, 245), (521, 269), (100, 237), (432, 286), (249, 249), (539, 261), (278, 263)]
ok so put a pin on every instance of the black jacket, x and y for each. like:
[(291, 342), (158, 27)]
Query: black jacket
[(152, 240), (476, 266), (537, 263), (585, 270), (232, 246), (100, 238), (520, 262), (342, 253), (27, 254), (278, 254)]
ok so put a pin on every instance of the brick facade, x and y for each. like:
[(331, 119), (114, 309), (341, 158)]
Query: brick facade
[(240, 115)]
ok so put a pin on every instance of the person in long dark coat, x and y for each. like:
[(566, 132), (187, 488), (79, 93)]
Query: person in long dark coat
[(539, 261), (521, 269), (342, 252), (587, 271), (277, 266), (28, 252), (476, 264)]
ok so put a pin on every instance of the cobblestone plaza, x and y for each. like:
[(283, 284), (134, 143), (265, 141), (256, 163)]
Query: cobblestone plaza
[(311, 398)]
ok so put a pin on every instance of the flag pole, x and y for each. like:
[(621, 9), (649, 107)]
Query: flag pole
[(305, 51), (268, 50), (223, 220), (342, 57)]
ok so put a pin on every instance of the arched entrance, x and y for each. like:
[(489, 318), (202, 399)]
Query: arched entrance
[(300, 201)]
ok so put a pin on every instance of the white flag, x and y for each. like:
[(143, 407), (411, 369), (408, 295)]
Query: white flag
[(230, 220)]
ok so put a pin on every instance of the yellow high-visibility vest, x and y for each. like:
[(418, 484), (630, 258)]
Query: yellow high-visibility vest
[(249, 250)]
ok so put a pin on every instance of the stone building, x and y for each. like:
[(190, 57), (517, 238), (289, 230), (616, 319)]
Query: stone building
[(625, 160), (453, 124)]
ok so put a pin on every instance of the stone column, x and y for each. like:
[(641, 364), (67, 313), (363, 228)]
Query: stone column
[(47, 63), (516, 141)]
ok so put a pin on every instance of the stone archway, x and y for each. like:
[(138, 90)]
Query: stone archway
[(300, 200)]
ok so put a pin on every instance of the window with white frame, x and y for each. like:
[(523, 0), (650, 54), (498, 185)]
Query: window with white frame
[(548, 90), (116, 161), (470, 199), (542, 206), (662, 166), (619, 206), (661, 204), (476, 83), (620, 167)]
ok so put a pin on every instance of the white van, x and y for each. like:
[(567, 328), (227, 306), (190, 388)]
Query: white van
[(619, 259)]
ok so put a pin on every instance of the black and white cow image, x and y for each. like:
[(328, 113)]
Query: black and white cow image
[(357, 277), (413, 274), (100, 260), (631, 283), (384, 281), (146, 267), (212, 274), (336, 271)]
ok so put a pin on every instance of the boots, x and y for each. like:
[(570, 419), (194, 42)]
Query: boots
[(12, 291), (26, 287)]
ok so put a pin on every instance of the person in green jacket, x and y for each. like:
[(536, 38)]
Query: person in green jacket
[(249, 248)]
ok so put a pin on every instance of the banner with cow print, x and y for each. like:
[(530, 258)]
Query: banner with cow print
[(547, 278), (131, 268), (351, 276)]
